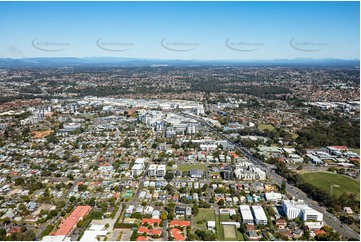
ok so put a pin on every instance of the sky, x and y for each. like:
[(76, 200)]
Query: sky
[(181, 30)]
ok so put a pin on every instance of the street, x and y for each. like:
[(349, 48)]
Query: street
[(329, 219)]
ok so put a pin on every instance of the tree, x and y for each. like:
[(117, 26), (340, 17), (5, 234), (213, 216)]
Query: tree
[(52, 138), (342, 171), (332, 169), (23, 228), (2, 233), (163, 216), (7, 220), (220, 202), (29, 235), (195, 209), (283, 186), (19, 181), (169, 176), (70, 176), (170, 215), (80, 224), (82, 187), (74, 159)]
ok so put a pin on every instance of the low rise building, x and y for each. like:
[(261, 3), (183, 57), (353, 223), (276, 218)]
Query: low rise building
[(259, 215), (273, 196), (246, 214), (69, 224)]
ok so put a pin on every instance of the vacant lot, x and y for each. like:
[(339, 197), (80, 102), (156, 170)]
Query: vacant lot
[(266, 126), (324, 180), (188, 167), (204, 215), (229, 232)]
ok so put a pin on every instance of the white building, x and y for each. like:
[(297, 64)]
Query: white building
[(130, 209), (55, 238), (248, 171), (300, 209), (309, 214), (137, 169), (211, 225), (93, 233), (71, 127), (161, 170), (108, 108), (259, 215), (191, 128), (106, 170), (273, 196), (152, 169), (293, 209), (157, 170), (246, 214), (138, 166), (230, 212)]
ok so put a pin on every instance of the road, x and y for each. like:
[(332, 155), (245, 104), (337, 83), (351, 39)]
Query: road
[(53, 220), (164, 229), (141, 181), (328, 218)]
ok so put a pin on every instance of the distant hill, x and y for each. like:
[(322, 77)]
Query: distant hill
[(117, 61)]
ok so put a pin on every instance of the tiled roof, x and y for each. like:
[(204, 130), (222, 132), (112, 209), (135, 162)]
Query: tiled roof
[(68, 224)]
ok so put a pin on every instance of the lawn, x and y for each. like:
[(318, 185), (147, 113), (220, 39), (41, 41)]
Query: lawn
[(357, 151), (240, 236), (188, 167), (266, 126), (224, 217), (229, 232), (219, 229), (324, 180), (204, 215)]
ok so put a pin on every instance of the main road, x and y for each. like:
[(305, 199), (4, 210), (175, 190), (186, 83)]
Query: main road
[(330, 219)]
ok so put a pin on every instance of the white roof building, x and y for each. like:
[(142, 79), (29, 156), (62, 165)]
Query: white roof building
[(246, 214), (93, 232), (155, 214), (230, 212), (138, 166), (54, 238), (273, 196), (259, 215), (130, 209), (300, 209), (148, 210), (310, 214), (211, 225)]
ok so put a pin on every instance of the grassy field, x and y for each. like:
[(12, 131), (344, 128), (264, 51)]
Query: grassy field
[(240, 236), (188, 167), (266, 126), (229, 232), (224, 217), (324, 180), (204, 215), (357, 151)]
